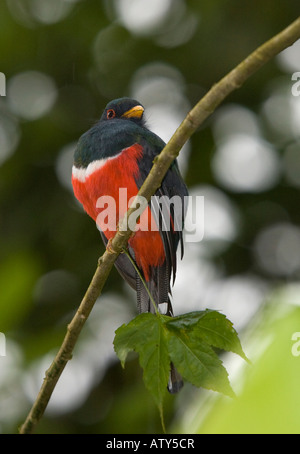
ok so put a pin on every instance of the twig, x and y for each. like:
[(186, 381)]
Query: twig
[(191, 123)]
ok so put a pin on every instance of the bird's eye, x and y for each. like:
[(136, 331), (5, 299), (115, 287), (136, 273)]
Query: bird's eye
[(110, 114)]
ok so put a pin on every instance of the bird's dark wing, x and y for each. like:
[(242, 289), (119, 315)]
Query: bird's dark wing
[(169, 216), (169, 219)]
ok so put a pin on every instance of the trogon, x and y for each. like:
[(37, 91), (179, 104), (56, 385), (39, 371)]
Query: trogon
[(111, 162)]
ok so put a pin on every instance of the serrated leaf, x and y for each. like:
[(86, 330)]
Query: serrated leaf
[(187, 342), (213, 327), (145, 335), (196, 361)]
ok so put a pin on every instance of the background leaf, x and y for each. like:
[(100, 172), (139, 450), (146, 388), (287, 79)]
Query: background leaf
[(18, 274), (268, 400)]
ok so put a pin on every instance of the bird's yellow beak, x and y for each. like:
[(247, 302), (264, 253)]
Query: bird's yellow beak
[(135, 112)]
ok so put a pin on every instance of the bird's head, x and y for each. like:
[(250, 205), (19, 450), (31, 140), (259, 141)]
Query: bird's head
[(124, 109), (120, 126)]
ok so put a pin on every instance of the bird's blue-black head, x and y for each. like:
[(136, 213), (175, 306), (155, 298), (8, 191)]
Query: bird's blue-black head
[(121, 125), (124, 109)]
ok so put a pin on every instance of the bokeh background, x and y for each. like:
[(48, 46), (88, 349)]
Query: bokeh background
[(63, 60)]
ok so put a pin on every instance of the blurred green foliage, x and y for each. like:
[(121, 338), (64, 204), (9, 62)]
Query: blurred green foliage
[(269, 401), (62, 65)]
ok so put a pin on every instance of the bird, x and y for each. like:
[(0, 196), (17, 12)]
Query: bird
[(114, 157)]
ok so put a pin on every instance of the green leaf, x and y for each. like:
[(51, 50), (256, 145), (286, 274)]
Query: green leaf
[(213, 327), (197, 362), (145, 335), (187, 341)]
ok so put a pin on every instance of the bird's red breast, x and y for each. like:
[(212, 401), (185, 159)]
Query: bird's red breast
[(105, 178)]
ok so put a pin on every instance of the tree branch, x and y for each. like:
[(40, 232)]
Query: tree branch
[(191, 123)]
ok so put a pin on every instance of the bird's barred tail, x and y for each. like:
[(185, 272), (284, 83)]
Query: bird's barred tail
[(175, 381)]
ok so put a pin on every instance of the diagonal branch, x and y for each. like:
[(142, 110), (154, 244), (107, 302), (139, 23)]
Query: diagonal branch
[(191, 123)]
